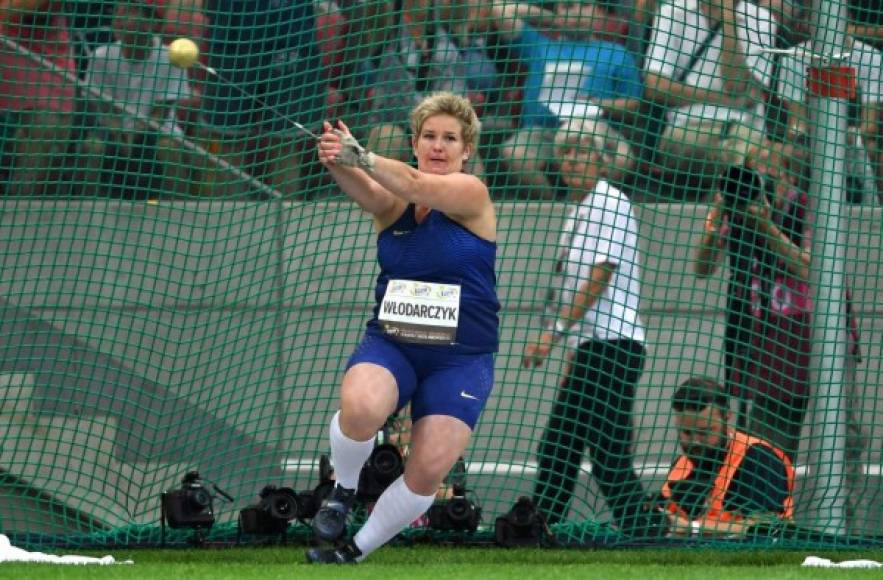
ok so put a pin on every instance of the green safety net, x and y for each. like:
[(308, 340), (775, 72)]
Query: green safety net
[(183, 282)]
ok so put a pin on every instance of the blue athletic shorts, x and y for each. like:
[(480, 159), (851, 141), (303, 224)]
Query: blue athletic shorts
[(433, 381)]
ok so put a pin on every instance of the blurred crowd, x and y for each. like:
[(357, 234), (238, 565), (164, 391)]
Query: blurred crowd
[(90, 105)]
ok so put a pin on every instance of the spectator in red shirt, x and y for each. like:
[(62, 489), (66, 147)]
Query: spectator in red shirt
[(36, 101)]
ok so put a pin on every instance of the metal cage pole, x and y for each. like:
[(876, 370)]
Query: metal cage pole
[(828, 86)]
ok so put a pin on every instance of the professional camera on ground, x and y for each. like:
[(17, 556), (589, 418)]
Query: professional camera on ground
[(455, 514), (189, 507), (384, 466), (273, 512), (523, 525)]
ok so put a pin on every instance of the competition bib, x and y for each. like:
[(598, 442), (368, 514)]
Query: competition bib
[(420, 312)]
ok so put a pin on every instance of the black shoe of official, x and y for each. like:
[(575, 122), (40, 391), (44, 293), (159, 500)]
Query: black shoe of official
[(329, 523), (347, 553)]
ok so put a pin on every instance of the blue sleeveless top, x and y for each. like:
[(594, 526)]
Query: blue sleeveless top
[(442, 251)]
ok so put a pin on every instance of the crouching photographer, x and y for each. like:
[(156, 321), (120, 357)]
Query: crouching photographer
[(726, 481)]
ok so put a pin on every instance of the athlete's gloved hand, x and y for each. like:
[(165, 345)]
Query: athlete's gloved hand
[(352, 154)]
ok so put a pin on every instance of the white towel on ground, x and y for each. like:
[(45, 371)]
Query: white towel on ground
[(816, 562), (9, 553)]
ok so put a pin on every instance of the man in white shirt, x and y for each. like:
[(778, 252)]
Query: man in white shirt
[(136, 73), (594, 307), (706, 64)]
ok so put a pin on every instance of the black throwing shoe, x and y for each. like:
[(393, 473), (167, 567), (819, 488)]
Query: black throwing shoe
[(347, 553), (329, 523)]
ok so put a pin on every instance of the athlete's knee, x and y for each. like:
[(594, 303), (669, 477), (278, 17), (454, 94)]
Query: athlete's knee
[(430, 461), (423, 477), (365, 408), (361, 420), (427, 467)]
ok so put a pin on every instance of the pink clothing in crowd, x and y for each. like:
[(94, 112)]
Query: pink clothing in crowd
[(24, 83)]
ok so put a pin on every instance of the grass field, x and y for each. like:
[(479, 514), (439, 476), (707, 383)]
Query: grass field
[(442, 563)]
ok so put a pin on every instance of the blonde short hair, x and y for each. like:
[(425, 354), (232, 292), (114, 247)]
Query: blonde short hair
[(616, 154), (445, 103)]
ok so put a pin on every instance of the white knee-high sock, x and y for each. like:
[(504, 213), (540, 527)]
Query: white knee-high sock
[(347, 455), (396, 508)]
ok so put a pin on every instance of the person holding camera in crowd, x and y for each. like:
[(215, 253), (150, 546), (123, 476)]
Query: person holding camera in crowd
[(759, 221), (594, 309), (759, 218), (432, 339), (725, 481)]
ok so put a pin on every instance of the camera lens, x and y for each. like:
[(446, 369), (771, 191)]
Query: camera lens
[(282, 505), (387, 462), (740, 185), (522, 514), (458, 510), (199, 498)]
